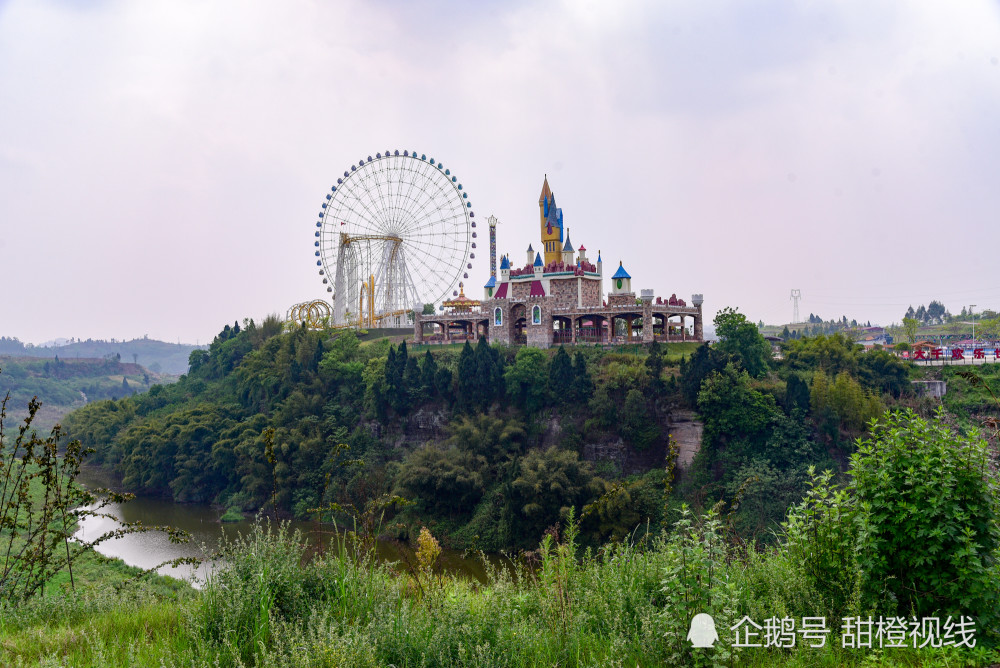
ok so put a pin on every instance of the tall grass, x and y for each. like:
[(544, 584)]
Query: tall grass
[(271, 604)]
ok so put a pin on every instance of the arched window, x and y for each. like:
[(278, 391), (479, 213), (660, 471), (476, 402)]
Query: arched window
[(497, 316), (536, 315)]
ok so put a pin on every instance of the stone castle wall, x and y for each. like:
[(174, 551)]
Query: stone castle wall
[(501, 333), (563, 292), (591, 292), (520, 290), (539, 336), (622, 299)]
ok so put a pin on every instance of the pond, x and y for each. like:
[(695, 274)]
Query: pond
[(147, 550)]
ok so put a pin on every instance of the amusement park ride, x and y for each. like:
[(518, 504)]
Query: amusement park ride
[(395, 232)]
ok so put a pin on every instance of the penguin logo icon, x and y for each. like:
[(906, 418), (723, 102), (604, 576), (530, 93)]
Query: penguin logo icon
[(702, 633)]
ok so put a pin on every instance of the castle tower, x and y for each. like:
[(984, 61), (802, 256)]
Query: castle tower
[(492, 220), (537, 266), (551, 224), (567, 251), (621, 282), (531, 255), (504, 269)]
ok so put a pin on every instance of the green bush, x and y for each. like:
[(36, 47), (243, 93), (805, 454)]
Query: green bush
[(928, 511)]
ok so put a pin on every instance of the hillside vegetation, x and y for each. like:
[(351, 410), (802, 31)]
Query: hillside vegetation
[(490, 445), (903, 527), (64, 384)]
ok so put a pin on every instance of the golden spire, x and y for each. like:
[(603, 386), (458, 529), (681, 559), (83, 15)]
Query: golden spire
[(546, 193)]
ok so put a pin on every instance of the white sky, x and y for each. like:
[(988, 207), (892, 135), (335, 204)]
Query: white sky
[(162, 162)]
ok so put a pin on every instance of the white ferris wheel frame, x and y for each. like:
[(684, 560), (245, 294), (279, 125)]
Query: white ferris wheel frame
[(400, 222)]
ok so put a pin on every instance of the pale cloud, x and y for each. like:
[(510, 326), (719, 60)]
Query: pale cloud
[(162, 162)]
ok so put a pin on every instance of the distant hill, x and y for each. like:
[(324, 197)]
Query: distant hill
[(67, 383), (156, 356)]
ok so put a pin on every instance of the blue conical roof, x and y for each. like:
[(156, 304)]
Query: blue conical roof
[(504, 264), (621, 273), (538, 260), (567, 247), (492, 283)]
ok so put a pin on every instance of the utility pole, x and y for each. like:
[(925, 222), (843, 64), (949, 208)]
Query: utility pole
[(973, 313)]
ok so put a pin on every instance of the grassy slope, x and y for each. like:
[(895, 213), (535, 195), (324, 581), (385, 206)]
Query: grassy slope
[(63, 387), (601, 611)]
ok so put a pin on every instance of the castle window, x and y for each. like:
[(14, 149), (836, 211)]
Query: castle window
[(497, 317), (536, 315)]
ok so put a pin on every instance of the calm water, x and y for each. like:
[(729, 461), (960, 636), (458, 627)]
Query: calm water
[(147, 550)]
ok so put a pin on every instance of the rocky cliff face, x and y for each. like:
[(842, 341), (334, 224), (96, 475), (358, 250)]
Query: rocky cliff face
[(430, 426), (686, 429)]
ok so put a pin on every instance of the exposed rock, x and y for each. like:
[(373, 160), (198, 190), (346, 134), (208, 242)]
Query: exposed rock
[(686, 429), (612, 451)]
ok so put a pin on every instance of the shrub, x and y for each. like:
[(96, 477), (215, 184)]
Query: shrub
[(928, 514)]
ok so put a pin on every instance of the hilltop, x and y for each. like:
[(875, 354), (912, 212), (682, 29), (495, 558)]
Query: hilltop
[(156, 356)]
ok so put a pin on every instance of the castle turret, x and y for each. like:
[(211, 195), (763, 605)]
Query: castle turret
[(621, 282), (504, 269), (551, 224), (567, 250), (538, 266), (600, 265), (582, 255), (489, 287), (531, 254)]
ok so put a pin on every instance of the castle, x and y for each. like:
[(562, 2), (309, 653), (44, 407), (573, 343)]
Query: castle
[(557, 297)]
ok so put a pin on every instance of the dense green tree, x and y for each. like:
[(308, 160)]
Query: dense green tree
[(550, 483), (498, 440), (412, 379), (468, 385), (796, 394), (561, 376), (883, 372), (845, 398), (654, 363), (583, 384), (638, 426), (732, 410), (928, 514), (428, 371), (527, 379), (444, 380), (446, 482), (703, 362), (833, 354), (488, 381), (742, 340)]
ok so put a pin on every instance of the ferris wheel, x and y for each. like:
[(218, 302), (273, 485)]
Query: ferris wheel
[(395, 232)]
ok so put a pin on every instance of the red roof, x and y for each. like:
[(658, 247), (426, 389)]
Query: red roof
[(501, 292), (536, 289)]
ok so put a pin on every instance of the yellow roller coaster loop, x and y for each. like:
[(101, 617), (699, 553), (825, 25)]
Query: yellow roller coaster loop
[(315, 314)]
